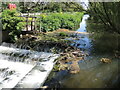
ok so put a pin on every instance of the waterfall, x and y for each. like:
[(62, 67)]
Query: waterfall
[(21, 68)]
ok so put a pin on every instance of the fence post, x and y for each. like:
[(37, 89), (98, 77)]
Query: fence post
[(32, 24), (27, 23), (40, 24)]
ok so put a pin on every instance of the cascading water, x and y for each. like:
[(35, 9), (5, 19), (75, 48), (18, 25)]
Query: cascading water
[(22, 68)]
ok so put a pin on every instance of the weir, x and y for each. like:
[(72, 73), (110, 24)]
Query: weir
[(20, 68)]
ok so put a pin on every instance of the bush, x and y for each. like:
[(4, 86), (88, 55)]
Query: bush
[(63, 34), (50, 23), (55, 21), (12, 23)]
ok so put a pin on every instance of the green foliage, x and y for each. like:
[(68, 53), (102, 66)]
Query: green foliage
[(55, 21), (12, 23), (50, 23), (62, 7), (63, 34), (106, 13), (50, 7)]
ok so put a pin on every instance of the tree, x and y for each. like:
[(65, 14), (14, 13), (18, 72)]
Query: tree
[(106, 13), (50, 7)]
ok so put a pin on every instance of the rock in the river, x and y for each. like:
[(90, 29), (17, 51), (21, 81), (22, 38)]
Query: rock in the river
[(44, 87), (105, 60), (74, 67), (63, 67)]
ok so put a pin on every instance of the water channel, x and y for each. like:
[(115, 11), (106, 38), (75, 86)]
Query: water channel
[(93, 73)]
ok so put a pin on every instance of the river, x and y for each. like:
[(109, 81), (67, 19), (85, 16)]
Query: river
[(21, 68), (93, 73)]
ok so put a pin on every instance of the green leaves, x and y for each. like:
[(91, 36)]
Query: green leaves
[(45, 7), (106, 13), (12, 23), (55, 21)]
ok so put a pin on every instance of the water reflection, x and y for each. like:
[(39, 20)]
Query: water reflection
[(94, 74), (84, 43)]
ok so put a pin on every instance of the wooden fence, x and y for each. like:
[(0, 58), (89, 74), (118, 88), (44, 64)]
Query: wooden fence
[(31, 21)]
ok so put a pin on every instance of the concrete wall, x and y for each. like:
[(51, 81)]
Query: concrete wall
[(5, 36)]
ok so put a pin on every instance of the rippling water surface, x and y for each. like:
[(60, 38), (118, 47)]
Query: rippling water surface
[(93, 73)]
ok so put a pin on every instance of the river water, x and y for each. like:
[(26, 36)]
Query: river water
[(93, 73), (21, 68)]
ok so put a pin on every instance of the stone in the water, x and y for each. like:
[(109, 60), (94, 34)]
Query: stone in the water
[(63, 67), (105, 60), (74, 67), (44, 87)]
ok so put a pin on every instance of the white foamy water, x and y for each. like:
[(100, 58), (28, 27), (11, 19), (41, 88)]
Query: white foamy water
[(15, 69), (37, 76), (22, 68)]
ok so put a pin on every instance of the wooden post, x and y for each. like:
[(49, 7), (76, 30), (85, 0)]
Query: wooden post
[(32, 24), (40, 24), (27, 23)]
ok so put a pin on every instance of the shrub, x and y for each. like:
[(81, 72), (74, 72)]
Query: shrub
[(50, 23), (63, 34), (12, 23), (55, 21)]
